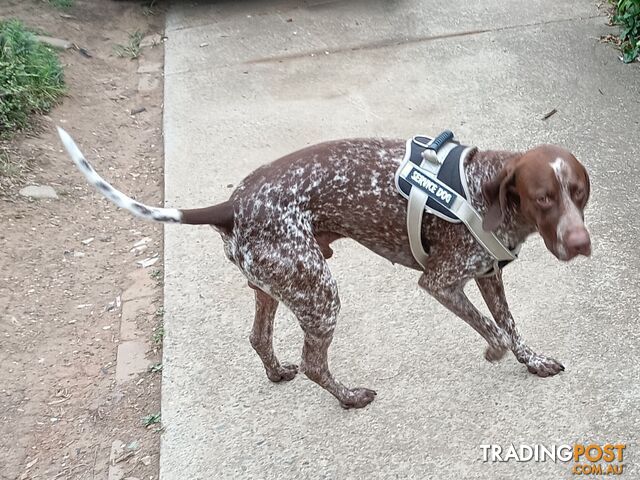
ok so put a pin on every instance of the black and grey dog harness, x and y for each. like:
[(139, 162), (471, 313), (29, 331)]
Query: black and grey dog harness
[(431, 176)]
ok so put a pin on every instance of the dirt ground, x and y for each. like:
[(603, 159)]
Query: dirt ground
[(62, 294)]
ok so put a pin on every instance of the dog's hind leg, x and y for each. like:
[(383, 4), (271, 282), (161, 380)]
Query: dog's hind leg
[(297, 274), (317, 317), (262, 338)]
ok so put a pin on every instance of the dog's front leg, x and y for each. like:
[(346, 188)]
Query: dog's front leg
[(452, 296), (492, 290)]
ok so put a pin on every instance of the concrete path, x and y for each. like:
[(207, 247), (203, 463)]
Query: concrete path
[(249, 81)]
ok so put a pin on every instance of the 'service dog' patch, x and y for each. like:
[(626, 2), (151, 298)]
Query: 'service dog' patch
[(439, 193)]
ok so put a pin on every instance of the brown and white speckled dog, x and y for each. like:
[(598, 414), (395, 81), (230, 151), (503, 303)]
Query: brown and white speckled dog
[(278, 225)]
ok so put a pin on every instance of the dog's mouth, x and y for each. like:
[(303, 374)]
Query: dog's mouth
[(565, 254), (570, 244)]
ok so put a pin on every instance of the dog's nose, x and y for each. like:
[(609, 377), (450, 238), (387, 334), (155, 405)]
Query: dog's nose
[(578, 242)]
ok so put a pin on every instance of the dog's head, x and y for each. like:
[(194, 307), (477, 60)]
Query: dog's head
[(549, 188)]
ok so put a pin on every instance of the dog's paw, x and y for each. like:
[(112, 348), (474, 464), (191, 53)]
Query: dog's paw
[(493, 354), (357, 398), (542, 366), (283, 373)]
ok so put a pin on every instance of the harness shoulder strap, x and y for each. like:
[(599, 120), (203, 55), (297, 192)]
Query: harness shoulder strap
[(415, 211), (435, 153)]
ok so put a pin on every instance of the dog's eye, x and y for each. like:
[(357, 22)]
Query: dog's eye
[(578, 194), (544, 201)]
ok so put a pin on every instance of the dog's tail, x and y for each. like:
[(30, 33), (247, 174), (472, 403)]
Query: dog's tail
[(220, 215)]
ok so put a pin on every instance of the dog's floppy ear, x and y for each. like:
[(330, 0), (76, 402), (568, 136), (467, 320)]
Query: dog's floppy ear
[(495, 193)]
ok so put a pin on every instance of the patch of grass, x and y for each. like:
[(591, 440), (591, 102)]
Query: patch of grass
[(151, 419), (627, 15), (156, 367), (7, 168), (158, 333), (13, 167), (31, 77), (62, 4), (156, 274), (132, 48), (149, 9)]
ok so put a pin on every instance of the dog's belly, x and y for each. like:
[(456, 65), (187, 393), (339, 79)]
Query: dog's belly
[(376, 220), (390, 252)]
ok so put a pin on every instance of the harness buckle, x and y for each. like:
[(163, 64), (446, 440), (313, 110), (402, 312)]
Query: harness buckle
[(430, 154)]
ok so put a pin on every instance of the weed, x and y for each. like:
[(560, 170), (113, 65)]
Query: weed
[(156, 367), (62, 4), (156, 274), (132, 48), (7, 168), (151, 419), (160, 312), (31, 78), (158, 334), (148, 9), (627, 15), (13, 167)]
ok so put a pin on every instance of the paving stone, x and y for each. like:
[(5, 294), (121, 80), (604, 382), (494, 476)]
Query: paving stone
[(148, 83), (130, 311), (149, 67), (38, 192), (116, 470), (151, 40), (131, 360), (142, 286), (54, 42)]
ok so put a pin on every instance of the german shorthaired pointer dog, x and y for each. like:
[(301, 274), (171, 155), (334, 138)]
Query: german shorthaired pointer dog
[(278, 225)]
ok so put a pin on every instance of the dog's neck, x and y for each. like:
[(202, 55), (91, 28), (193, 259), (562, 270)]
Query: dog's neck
[(481, 167)]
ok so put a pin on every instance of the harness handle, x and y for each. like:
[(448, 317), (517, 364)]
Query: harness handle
[(440, 140)]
